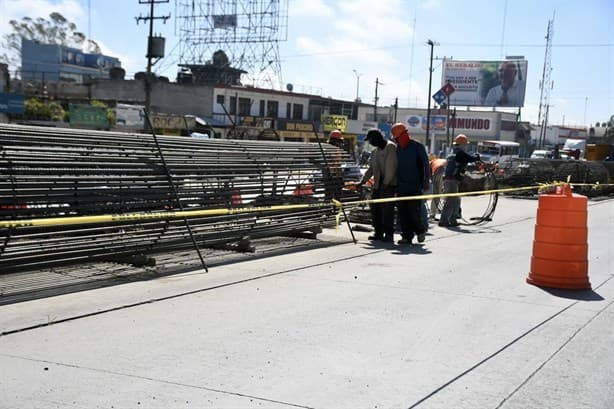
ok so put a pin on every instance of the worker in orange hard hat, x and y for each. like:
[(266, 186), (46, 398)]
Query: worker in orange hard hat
[(413, 178), (455, 169), (335, 138), (333, 173)]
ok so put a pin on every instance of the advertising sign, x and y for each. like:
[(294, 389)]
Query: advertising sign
[(438, 122), (130, 116), (486, 83), (332, 122), (414, 122), (163, 121)]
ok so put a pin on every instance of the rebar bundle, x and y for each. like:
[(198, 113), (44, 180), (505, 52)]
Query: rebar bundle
[(51, 172)]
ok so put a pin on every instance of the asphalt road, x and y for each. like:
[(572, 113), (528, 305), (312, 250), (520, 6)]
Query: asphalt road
[(449, 324)]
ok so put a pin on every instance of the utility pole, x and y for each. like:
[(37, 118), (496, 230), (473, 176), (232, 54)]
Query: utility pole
[(358, 75), (396, 108), (428, 110), (376, 99), (151, 53)]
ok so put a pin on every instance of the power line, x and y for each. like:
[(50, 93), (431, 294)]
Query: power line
[(353, 51)]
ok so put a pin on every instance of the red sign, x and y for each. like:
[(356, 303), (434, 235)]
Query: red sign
[(448, 89)]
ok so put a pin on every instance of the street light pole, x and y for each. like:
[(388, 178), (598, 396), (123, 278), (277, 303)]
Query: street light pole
[(357, 84), (428, 110)]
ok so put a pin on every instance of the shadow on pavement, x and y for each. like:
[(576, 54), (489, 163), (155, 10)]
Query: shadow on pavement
[(580, 295)]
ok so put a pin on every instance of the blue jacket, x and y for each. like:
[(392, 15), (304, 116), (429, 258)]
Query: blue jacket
[(414, 170), (457, 162)]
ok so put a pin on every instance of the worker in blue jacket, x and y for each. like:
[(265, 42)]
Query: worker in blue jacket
[(413, 178), (455, 169)]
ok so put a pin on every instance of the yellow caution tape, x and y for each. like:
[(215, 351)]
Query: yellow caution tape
[(165, 215), (124, 217)]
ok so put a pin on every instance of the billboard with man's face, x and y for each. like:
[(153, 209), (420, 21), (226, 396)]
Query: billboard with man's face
[(486, 83)]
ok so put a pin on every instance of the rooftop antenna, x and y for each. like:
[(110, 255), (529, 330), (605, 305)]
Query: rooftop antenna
[(411, 59), (89, 27), (503, 26)]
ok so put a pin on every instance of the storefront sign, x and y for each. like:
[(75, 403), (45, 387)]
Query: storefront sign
[(332, 122)]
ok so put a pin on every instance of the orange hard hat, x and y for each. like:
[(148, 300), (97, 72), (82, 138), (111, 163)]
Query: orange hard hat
[(398, 129), (336, 134), (461, 140)]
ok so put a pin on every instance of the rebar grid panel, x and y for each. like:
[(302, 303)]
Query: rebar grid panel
[(61, 173)]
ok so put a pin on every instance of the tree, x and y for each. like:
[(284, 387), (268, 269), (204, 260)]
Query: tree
[(110, 112), (56, 30), (44, 110)]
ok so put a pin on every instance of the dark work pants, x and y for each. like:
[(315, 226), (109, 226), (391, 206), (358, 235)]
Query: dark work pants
[(410, 217), (382, 214)]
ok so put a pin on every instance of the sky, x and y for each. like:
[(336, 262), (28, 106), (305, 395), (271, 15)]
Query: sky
[(338, 47)]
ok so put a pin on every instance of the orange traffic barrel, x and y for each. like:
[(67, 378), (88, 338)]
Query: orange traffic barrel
[(560, 247)]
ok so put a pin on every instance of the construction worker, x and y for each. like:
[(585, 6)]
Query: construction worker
[(383, 169), (455, 169), (335, 138), (333, 174), (413, 178)]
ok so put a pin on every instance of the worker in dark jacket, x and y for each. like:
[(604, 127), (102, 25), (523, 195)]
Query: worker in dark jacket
[(455, 169), (413, 178), (383, 169), (333, 173)]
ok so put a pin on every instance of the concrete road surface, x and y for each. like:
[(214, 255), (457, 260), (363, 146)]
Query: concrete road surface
[(449, 324)]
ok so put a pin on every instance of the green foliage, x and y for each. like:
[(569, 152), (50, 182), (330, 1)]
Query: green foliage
[(56, 112), (56, 30), (111, 117), (44, 111), (34, 109)]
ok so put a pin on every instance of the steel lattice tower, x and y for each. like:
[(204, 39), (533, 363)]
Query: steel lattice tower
[(248, 31), (545, 86)]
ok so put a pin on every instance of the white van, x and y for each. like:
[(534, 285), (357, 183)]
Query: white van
[(498, 151)]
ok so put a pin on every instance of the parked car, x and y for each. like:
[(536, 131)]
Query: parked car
[(541, 154)]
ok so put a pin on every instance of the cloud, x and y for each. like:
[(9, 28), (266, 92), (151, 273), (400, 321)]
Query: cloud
[(373, 38), (430, 4), (72, 11), (309, 8), (18, 9)]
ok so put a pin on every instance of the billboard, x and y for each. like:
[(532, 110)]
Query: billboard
[(486, 83)]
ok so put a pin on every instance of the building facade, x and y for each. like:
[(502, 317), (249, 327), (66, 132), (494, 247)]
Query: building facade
[(52, 62)]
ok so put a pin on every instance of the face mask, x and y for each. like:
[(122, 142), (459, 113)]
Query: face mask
[(403, 140)]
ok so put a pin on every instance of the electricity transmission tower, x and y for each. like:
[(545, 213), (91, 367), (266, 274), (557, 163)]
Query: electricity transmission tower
[(247, 31), (545, 86)]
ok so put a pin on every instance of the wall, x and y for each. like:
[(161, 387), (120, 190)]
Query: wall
[(170, 98), (256, 95)]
